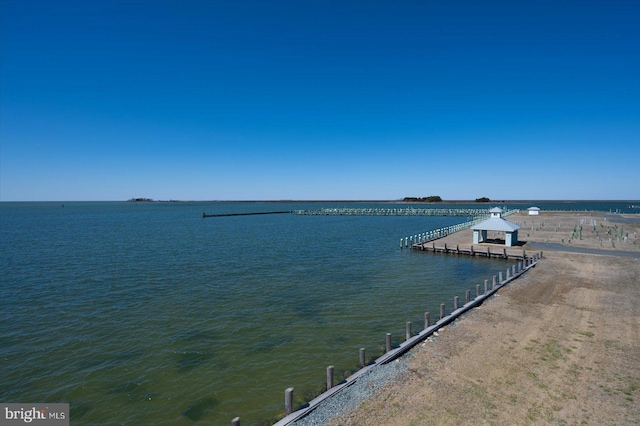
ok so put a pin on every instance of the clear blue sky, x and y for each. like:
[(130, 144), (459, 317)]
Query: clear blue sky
[(268, 100)]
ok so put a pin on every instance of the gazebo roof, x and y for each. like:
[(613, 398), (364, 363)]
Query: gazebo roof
[(496, 224)]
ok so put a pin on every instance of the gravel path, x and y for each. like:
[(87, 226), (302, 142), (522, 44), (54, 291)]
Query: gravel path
[(562, 247), (352, 396)]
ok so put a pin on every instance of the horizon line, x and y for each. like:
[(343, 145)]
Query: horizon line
[(149, 200)]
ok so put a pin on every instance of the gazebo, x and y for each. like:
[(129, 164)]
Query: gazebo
[(496, 223)]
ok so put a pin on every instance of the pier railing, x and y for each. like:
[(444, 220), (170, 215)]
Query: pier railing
[(434, 234), (392, 212)]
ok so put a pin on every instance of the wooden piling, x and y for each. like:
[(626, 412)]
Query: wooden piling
[(288, 401), (493, 284), (408, 330), (477, 290), (442, 310), (455, 303), (387, 341), (468, 296), (329, 377), (486, 286), (500, 277), (362, 358), (426, 320)]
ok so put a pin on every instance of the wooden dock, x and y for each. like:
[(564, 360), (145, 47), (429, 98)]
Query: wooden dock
[(483, 251)]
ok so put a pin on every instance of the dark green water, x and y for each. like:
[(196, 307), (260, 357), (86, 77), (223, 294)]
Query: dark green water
[(145, 313)]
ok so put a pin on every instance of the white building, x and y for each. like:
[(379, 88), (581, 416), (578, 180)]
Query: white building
[(533, 211), (496, 223)]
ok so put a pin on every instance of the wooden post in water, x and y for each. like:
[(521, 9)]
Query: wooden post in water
[(236, 421), (489, 252), (513, 271), (288, 401), (362, 358), (426, 320), (468, 296), (486, 286), (455, 303), (473, 253), (441, 310), (477, 290), (504, 253), (387, 341), (493, 284), (329, 377), (500, 277), (408, 330)]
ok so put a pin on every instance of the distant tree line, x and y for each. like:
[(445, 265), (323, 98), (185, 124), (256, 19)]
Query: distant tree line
[(429, 199), (137, 200), (482, 200)]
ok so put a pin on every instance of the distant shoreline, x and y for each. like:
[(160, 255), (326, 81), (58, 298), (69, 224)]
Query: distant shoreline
[(492, 202), (444, 202)]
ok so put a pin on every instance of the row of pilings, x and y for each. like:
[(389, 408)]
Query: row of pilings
[(482, 293)]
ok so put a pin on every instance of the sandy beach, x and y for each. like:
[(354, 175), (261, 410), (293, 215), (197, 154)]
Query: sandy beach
[(560, 345)]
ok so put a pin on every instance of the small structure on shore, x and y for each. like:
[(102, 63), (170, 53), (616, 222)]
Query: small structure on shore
[(496, 223), (534, 211)]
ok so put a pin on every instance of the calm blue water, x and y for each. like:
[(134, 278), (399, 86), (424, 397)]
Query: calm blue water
[(145, 313)]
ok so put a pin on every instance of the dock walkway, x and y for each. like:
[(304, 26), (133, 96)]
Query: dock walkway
[(477, 250)]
